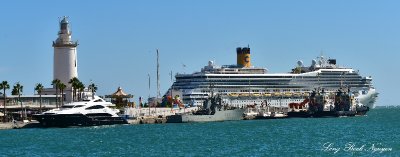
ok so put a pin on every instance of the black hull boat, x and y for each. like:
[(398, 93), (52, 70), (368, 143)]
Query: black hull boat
[(333, 114), (362, 110), (321, 114), (343, 106), (66, 120), (300, 114), (91, 112)]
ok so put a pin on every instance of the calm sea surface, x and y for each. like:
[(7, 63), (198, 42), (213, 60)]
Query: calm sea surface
[(377, 134)]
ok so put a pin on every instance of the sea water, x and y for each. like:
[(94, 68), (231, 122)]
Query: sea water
[(377, 134)]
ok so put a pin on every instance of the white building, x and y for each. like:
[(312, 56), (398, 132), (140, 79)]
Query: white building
[(65, 66), (65, 57)]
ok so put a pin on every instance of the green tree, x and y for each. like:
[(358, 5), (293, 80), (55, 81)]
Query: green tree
[(39, 89), (81, 88), (93, 88), (55, 84), (62, 86), (74, 84), (4, 86), (17, 90)]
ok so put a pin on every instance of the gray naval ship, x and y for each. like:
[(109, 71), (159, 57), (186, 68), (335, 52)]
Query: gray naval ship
[(212, 110)]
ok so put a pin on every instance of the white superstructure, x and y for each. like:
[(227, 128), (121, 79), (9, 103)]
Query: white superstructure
[(96, 106), (250, 85), (65, 57)]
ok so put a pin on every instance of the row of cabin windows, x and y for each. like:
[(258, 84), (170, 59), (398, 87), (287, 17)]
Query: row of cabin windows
[(327, 77), (257, 91), (267, 91), (284, 100), (94, 107), (89, 108)]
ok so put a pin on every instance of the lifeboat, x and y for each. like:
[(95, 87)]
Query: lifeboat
[(267, 94), (288, 94), (233, 94), (256, 94), (276, 94), (244, 94)]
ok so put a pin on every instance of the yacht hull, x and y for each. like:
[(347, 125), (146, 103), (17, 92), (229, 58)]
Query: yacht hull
[(66, 120)]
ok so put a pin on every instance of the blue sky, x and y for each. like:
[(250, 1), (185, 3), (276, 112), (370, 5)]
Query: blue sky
[(118, 39)]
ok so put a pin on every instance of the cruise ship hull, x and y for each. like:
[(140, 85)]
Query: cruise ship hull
[(66, 120)]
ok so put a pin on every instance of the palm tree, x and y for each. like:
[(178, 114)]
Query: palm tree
[(55, 83), (4, 85), (81, 88), (93, 88), (17, 90), (74, 84), (39, 89), (62, 86)]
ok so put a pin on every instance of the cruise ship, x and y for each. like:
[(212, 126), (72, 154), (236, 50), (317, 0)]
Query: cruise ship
[(243, 84)]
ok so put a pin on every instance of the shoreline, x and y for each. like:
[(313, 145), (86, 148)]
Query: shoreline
[(19, 125), (36, 124), (4, 126), (11, 125)]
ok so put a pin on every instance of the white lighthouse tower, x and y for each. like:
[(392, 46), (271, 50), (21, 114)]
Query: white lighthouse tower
[(65, 57)]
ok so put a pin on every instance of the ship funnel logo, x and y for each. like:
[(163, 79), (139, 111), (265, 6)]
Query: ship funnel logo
[(247, 59), (243, 57)]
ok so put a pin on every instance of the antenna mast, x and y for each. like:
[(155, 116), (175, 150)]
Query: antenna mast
[(148, 75), (158, 76)]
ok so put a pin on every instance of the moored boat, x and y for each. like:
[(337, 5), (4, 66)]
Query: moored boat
[(212, 110), (83, 113)]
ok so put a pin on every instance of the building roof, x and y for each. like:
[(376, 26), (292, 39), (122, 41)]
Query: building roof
[(119, 94)]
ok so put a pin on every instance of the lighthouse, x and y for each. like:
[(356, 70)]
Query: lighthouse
[(65, 65)]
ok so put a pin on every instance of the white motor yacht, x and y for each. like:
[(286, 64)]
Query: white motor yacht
[(83, 113)]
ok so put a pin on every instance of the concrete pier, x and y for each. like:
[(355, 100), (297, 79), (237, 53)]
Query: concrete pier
[(149, 120), (19, 125), (6, 126), (156, 112)]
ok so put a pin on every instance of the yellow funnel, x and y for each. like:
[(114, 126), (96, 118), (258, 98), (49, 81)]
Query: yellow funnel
[(243, 57)]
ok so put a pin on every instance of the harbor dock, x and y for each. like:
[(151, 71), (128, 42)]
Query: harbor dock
[(19, 125)]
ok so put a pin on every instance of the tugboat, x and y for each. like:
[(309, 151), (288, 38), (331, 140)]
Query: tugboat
[(299, 109), (212, 110), (361, 110), (83, 113), (321, 106), (275, 113)]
